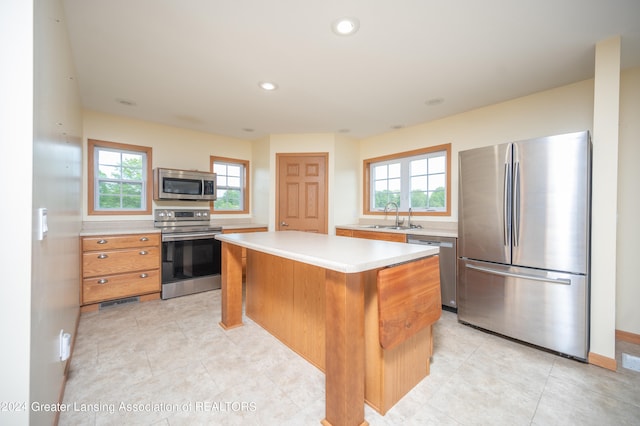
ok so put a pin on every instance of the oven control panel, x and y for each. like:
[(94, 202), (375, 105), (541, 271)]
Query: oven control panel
[(170, 215)]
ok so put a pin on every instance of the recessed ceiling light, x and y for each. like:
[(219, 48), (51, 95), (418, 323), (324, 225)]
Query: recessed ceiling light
[(247, 129), (125, 102), (345, 26), (397, 126), (268, 86), (435, 101)]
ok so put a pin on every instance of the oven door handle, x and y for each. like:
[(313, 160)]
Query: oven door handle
[(189, 236)]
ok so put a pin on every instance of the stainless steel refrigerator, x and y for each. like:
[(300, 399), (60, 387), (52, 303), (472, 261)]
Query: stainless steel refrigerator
[(524, 229)]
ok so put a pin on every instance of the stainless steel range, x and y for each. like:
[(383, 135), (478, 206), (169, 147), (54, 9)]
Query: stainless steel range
[(191, 256)]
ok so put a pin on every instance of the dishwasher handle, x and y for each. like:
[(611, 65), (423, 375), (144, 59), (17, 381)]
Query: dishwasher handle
[(431, 243)]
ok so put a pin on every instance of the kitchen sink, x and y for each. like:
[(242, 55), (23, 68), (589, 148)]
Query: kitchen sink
[(384, 227)]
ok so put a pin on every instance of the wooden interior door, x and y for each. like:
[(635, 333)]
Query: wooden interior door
[(302, 192)]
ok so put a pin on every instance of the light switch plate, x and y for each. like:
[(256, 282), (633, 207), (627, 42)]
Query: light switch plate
[(42, 228)]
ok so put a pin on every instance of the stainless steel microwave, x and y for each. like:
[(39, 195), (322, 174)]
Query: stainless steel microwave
[(191, 185)]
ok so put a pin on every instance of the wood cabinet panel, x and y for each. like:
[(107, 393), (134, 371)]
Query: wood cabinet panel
[(309, 311), (377, 235), (408, 299), (108, 287), (119, 261), (244, 230), (288, 299), (269, 298), (119, 266), (344, 232), (244, 250), (113, 242)]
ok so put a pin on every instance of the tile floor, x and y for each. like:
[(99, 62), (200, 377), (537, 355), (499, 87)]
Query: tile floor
[(169, 363)]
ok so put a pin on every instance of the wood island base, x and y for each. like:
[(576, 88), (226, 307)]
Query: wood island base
[(296, 302), (331, 319)]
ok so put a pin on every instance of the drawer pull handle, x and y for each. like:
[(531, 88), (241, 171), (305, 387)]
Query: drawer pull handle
[(144, 239), (143, 275), (103, 281), (143, 252), (102, 241), (102, 256)]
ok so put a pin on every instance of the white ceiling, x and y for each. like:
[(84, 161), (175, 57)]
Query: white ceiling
[(197, 63)]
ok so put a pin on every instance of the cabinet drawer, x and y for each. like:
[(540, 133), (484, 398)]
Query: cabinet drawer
[(111, 242), (118, 286), (385, 236), (119, 261), (344, 233)]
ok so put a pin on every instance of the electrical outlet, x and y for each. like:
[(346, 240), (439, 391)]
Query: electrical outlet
[(631, 362), (65, 345)]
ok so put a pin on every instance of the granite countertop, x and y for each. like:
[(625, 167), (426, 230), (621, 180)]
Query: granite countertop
[(341, 254), (435, 229)]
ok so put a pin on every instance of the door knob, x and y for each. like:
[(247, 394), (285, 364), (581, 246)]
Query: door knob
[(284, 223)]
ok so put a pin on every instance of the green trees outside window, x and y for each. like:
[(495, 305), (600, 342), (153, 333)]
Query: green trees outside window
[(120, 181), (416, 181), (232, 185), (119, 178)]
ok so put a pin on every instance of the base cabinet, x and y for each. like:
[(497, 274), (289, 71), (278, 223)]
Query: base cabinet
[(119, 266), (244, 250), (372, 235), (287, 299)]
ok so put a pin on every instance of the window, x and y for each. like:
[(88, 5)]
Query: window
[(418, 179), (119, 178), (232, 185)]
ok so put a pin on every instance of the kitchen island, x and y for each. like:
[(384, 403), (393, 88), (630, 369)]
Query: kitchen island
[(359, 310)]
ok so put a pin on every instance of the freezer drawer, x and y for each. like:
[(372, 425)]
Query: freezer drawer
[(544, 308)]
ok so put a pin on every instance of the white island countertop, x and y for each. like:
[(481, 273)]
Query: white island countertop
[(341, 254)]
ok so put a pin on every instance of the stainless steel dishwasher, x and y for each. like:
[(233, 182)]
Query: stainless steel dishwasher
[(448, 265)]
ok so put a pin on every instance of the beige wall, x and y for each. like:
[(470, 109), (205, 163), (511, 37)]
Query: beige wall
[(173, 147), (261, 181), (42, 151), (16, 137), (561, 110), (606, 117), (343, 158), (628, 230)]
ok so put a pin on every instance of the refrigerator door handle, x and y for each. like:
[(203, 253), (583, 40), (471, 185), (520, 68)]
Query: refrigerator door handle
[(516, 203), (564, 281), (506, 205)]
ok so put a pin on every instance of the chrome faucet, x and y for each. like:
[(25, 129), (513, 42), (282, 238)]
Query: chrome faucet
[(391, 203), (409, 224)]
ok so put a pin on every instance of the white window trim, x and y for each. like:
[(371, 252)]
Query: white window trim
[(405, 196)]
